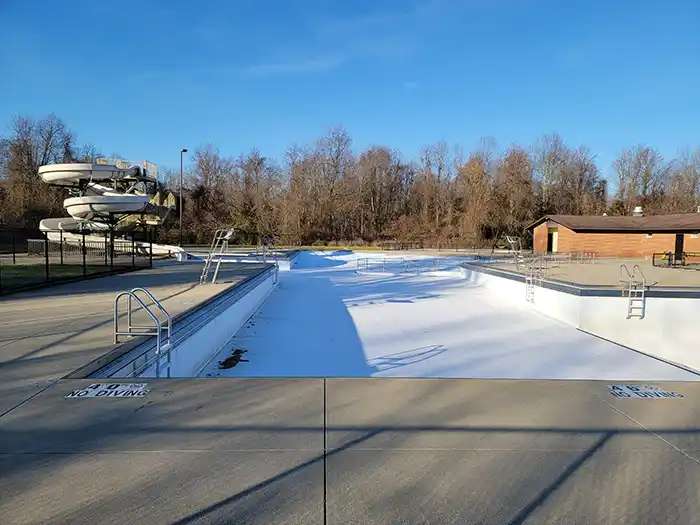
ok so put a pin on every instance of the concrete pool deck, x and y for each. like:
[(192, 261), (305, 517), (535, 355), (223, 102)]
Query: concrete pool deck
[(606, 272), (48, 333), (384, 451)]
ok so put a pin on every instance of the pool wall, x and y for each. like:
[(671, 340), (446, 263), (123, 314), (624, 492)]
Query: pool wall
[(191, 356), (667, 330), (285, 264)]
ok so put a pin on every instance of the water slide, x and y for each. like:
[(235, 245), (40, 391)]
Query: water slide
[(103, 196)]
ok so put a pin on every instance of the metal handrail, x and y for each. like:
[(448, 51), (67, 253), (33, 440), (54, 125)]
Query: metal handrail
[(155, 330), (158, 305), (636, 269), (626, 272), (635, 277)]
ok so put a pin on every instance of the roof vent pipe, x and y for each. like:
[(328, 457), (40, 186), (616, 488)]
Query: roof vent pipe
[(638, 212), (697, 210)]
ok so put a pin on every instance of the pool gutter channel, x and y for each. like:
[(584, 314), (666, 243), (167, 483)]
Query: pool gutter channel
[(185, 325)]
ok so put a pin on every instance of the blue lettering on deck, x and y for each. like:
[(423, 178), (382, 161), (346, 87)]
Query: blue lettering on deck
[(642, 392)]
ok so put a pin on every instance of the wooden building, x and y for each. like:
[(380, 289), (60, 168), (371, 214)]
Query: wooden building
[(619, 236)]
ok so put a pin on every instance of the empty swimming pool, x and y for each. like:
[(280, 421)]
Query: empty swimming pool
[(340, 315)]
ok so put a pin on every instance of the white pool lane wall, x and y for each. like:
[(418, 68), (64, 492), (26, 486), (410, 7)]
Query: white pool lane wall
[(193, 354), (667, 330), (284, 264)]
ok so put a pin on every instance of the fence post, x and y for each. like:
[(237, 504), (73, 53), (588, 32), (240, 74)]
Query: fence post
[(61, 247), (133, 252), (150, 248), (46, 254), (84, 250), (14, 248), (111, 249), (105, 248)]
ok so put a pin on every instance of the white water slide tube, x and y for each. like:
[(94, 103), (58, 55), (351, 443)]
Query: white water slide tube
[(68, 174), (97, 201)]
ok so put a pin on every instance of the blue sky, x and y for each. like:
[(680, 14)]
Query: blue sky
[(147, 77)]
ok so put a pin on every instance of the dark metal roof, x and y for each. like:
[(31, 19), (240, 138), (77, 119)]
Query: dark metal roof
[(677, 223)]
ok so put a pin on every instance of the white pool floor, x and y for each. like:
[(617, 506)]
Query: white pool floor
[(331, 321)]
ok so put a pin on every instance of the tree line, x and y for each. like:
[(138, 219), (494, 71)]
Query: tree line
[(326, 192)]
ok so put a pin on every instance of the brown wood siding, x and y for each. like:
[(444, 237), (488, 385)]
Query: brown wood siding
[(539, 238), (620, 244)]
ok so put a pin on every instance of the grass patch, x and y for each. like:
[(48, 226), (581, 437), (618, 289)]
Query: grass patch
[(20, 275)]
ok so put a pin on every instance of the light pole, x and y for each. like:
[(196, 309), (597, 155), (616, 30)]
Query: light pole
[(183, 150)]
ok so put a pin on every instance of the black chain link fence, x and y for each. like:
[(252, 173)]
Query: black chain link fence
[(33, 258)]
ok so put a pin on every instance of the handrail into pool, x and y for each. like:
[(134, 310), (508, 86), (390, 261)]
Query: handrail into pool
[(155, 330)]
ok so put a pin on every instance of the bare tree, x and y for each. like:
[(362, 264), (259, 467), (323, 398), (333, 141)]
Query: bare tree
[(548, 157), (642, 175), (514, 203), (32, 143), (327, 192)]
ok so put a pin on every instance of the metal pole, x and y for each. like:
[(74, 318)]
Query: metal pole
[(180, 193), (84, 250), (61, 234), (46, 253), (14, 248), (183, 150), (116, 316)]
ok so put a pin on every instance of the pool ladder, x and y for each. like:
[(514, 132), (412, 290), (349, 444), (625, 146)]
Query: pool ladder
[(163, 343), (635, 284), (219, 246), (534, 272)]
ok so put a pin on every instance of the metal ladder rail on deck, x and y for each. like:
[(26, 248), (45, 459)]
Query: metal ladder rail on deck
[(216, 241), (207, 261), (224, 248), (220, 242), (155, 330), (635, 284)]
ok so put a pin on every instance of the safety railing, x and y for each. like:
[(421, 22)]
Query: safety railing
[(551, 261), (381, 264), (400, 265), (583, 256), (670, 259), (156, 329)]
